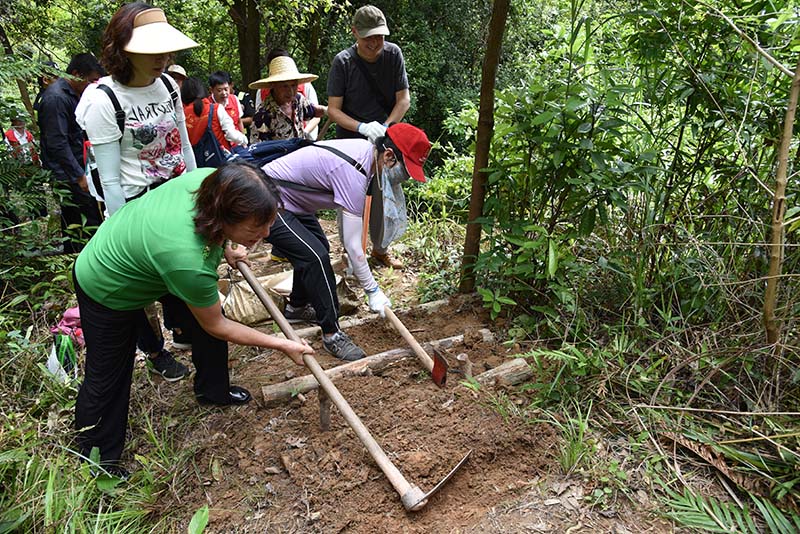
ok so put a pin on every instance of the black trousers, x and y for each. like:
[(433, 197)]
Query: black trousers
[(101, 410), (303, 241), (80, 216)]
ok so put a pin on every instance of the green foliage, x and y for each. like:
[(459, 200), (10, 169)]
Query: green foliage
[(606, 154), (575, 447), (436, 240), (709, 514), (199, 521), (712, 515)]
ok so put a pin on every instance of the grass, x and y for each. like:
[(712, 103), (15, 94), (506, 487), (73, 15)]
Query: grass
[(45, 485)]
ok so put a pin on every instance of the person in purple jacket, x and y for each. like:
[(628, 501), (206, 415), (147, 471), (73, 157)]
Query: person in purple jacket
[(337, 175)]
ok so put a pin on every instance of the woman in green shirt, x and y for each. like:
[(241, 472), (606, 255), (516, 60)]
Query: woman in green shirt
[(167, 248)]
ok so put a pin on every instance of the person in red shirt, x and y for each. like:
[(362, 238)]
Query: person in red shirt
[(219, 84), (196, 108), (20, 139)]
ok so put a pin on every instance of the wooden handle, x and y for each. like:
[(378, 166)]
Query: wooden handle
[(365, 222), (394, 475), (426, 360), (324, 129)]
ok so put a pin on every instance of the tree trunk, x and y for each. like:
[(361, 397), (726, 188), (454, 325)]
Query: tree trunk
[(313, 42), (247, 18), (771, 323), (483, 141), (23, 89)]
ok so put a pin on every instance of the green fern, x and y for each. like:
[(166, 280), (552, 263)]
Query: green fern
[(776, 520), (709, 514), (712, 515)]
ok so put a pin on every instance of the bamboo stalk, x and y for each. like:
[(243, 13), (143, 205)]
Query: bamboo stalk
[(771, 323)]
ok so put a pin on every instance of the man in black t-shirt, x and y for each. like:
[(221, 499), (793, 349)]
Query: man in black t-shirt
[(367, 91)]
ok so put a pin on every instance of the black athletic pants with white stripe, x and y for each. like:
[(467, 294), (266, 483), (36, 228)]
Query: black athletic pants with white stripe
[(302, 239), (101, 411)]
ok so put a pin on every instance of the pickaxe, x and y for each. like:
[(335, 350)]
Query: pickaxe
[(411, 495)]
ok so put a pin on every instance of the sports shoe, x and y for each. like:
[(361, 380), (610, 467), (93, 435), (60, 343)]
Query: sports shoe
[(181, 341), (303, 314), (167, 366), (386, 260), (342, 347)]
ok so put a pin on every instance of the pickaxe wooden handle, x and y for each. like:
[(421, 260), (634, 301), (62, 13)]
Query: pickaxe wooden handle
[(436, 366)]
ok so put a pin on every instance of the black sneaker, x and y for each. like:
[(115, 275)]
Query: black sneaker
[(181, 341), (303, 314), (167, 366), (342, 347), (236, 395)]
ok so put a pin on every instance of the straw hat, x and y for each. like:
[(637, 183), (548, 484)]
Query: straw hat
[(283, 69), (152, 34)]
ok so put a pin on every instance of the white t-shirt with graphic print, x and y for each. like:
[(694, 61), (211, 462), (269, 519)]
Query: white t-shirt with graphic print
[(151, 145)]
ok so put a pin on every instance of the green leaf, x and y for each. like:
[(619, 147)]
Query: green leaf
[(199, 521), (552, 258), (108, 484), (16, 300), (575, 103), (541, 118), (588, 218), (486, 294)]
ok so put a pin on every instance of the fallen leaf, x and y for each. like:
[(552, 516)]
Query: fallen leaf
[(216, 470)]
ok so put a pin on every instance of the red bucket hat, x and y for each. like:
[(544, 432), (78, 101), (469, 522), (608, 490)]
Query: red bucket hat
[(413, 144)]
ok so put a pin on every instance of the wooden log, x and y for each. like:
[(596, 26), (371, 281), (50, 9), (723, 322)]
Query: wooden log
[(324, 411), (509, 373), (283, 391)]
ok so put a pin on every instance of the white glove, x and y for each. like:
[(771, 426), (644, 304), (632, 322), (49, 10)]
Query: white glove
[(378, 301), (372, 130)]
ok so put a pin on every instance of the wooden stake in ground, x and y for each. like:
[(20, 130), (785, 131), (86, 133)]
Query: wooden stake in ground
[(771, 323)]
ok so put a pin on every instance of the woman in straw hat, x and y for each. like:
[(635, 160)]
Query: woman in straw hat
[(144, 145), (282, 113)]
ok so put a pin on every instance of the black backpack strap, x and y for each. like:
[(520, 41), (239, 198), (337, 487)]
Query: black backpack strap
[(210, 116), (172, 93), (298, 187), (119, 113), (370, 81), (345, 157)]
